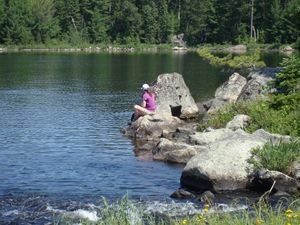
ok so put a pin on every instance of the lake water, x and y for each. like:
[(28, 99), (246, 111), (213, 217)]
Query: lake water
[(60, 121)]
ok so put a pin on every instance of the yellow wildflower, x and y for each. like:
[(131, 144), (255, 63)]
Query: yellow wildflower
[(288, 215), (289, 211), (288, 224), (200, 218), (184, 221), (258, 221), (205, 208)]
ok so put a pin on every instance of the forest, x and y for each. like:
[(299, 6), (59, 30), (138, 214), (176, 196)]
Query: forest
[(29, 22)]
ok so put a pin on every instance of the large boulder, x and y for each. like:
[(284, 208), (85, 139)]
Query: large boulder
[(224, 164), (229, 91), (238, 88), (152, 127), (173, 97), (258, 82)]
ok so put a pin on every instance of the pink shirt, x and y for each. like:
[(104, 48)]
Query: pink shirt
[(150, 101)]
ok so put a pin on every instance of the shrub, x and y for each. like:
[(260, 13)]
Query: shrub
[(262, 116), (278, 156), (237, 62)]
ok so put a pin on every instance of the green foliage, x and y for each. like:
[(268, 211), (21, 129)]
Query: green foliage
[(276, 156), (280, 113), (237, 62), (152, 21), (288, 81), (262, 115), (288, 84), (150, 25)]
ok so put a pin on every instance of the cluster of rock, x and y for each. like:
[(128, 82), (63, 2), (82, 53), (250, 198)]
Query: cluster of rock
[(239, 88), (217, 159)]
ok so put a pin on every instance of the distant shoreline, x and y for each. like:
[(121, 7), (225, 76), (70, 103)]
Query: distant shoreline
[(129, 49)]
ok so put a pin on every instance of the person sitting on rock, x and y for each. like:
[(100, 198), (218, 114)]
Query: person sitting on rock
[(148, 105)]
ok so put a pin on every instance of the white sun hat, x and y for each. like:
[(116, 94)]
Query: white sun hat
[(145, 87)]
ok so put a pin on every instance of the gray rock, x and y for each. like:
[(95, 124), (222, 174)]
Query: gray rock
[(177, 40), (173, 97), (228, 92), (224, 164), (212, 136), (264, 179), (295, 170), (238, 122), (152, 127), (237, 49), (275, 138), (258, 83), (287, 49), (182, 194), (170, 151), (207, 197), (182, 134)]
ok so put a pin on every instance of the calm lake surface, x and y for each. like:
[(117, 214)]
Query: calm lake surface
[(60, 121)]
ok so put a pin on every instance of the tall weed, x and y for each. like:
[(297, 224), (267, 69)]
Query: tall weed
[(276, 156)]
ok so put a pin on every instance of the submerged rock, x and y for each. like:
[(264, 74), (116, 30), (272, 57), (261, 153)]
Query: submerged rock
[(182, 194)]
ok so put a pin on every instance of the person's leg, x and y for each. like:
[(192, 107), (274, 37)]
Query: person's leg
[(139, 111)]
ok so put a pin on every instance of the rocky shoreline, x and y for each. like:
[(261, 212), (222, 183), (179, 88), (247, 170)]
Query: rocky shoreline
[(216, 160), (109, 49)]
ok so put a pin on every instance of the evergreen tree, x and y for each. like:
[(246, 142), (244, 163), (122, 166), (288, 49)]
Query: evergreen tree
[(70, 20), (14, 26), (44, 25), (198, 20), (163, 21), (150, 26), (126, 22)]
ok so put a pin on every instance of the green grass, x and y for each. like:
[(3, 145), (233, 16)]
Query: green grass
[(125, 212), (276, 156), (283, 121)]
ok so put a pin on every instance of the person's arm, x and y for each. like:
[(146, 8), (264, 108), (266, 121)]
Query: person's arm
[(144, 104), (144, 101)]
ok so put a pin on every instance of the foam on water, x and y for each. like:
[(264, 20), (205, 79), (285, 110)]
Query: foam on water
[(10, 213), (189, 208)]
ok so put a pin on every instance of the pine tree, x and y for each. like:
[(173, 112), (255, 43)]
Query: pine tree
[(44, 25), (150, 26), (126, 22), (14, 25)]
